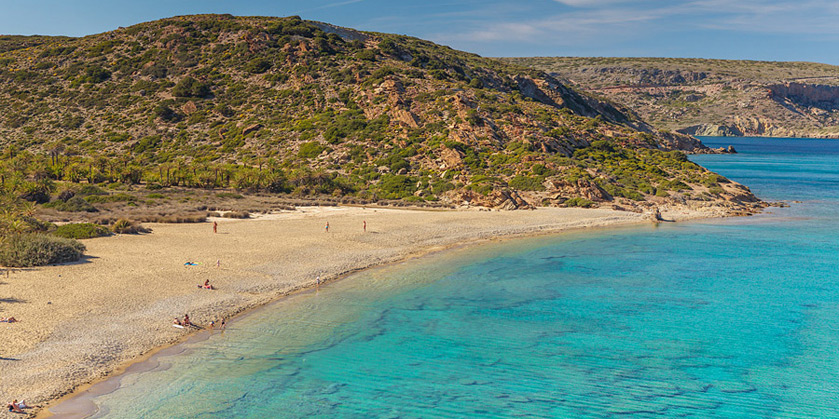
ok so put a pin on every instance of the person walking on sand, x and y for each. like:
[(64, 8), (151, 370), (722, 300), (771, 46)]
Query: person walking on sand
[(364, 223), (317, 281), (215, 227), (222, 324), (327, 226)]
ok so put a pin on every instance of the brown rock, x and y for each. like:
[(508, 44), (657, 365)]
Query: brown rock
[(451, 157), (405, 117), (189, 108), (251, 128)]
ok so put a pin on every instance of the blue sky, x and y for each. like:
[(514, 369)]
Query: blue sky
[(785, 30)]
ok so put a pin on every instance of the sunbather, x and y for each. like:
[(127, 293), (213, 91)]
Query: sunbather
[(7, 319), (15, 406)]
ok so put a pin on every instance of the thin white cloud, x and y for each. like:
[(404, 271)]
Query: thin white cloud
[(606, 19), (589, 3), (331, 5)]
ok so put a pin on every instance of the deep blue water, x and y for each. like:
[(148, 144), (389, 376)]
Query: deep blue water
[(733, 318)]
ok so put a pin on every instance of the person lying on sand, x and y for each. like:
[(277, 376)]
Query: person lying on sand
[(7, 319), (207, 285), (177, 322), (17, 407)]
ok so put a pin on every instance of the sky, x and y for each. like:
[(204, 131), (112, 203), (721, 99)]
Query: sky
[(775, 30)]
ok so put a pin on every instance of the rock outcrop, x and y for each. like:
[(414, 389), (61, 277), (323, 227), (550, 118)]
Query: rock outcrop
[(711, 97)]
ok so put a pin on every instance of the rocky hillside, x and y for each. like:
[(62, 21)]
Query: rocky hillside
[(305, 108), (711, 97)]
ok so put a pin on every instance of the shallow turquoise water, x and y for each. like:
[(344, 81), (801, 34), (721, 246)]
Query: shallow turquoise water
[(729, 318)]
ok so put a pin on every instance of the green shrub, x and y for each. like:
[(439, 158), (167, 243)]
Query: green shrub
[(189, 87), (74, 204), (123, 226), (24, 250), (230, 195), (91, 190), (674, 185), (81, 231), (397, 186), (236, 214), (366, 55), (310, 150), (525, 183), (258, 65), (119, 197), (579, 202)]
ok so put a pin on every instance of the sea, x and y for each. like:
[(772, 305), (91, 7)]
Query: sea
[(722, 318)]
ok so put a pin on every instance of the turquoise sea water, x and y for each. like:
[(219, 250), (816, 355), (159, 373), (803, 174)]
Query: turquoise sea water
[(734, 318)]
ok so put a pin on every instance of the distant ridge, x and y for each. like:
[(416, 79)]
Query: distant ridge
[(711, 97)]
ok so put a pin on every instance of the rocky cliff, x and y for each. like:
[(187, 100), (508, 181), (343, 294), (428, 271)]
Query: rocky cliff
[(712, 97)]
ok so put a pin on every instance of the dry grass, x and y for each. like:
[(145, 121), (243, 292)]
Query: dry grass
[(182, 205)]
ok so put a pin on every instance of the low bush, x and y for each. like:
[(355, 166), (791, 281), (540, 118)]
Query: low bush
[(236, 214), (123, 226), (190, 217), (91, 190), (74, 204), (25, 250), (81, 231), (66, 194), (579, 202), (526, 183), (119, 197)]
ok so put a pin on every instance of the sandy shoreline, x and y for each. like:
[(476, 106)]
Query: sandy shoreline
[(80, 322)]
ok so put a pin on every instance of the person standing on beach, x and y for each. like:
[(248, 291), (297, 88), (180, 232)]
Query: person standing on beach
[(222, 324), (364, 223), (327, 226), (215, 227)]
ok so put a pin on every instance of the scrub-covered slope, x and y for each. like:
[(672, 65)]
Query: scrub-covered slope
[(289, 106)]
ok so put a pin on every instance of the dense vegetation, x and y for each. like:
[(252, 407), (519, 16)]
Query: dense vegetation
[(303, 109), (23, 241)]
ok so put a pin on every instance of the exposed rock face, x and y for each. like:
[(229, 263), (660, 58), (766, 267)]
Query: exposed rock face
[(808, 95), (562, 190), (679, 141), (654, 76), (498, 199), (452, 158), (711, 97), (712, 130), (251, 128)]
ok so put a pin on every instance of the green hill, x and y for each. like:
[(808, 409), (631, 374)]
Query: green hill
[(711, 97), (307, 109)]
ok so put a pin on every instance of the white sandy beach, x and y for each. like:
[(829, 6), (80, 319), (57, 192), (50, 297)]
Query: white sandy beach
[(82, 321)]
